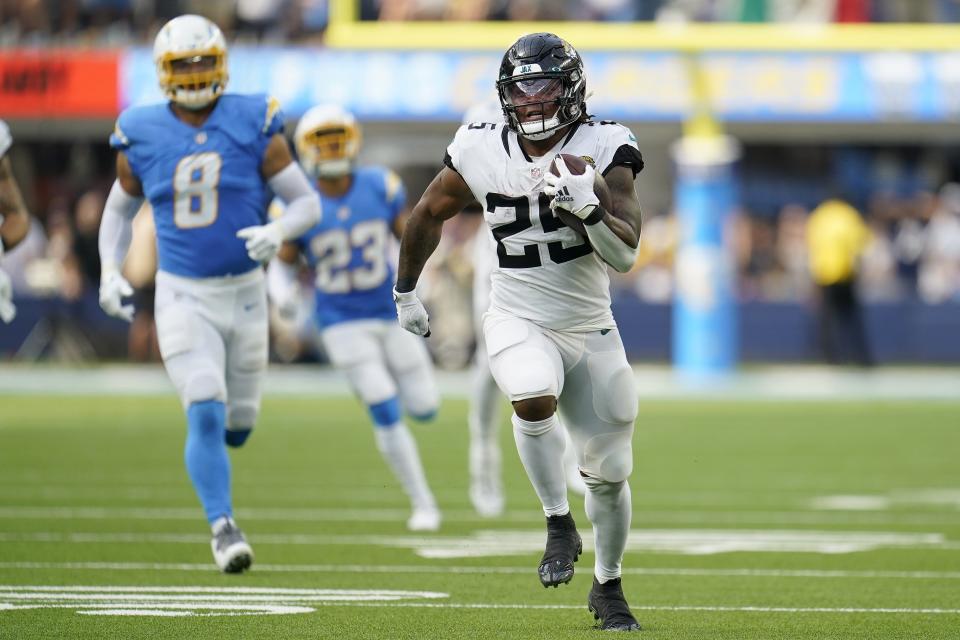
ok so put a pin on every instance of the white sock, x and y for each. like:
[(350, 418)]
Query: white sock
[(540, 445), (399, 449), (483, 419), (608, 508)]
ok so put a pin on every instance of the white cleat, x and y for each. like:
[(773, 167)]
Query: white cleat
[(230, 549), (424, 519)]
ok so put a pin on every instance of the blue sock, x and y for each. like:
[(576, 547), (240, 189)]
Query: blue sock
[(236, 437), (206, 456), (386, 413)]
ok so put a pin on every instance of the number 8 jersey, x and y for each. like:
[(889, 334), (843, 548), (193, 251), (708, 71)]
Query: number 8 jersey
[(545, 272), (204, 183)]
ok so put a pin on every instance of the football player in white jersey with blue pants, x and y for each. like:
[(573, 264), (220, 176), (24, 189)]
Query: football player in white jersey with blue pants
[(14, 222), (550, 333), (205, 160), (349, 251)]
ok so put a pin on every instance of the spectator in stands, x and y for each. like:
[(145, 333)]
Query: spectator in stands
[(836, 237)]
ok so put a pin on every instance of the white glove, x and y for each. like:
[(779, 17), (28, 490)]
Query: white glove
[(263, 241), (7, 309), (113, 288), (410, 312), (572, 193)]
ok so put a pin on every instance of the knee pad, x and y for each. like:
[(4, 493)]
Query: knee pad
[(609, 456), (615, 396), (242, 415), (525, 372), (419, 394), (202, 386), (386, 413)]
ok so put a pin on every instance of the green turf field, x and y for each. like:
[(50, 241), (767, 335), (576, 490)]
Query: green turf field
[(760, 520)]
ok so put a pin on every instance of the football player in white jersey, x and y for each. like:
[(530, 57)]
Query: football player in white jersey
[(550, 334), (483, 414), (14, 221)]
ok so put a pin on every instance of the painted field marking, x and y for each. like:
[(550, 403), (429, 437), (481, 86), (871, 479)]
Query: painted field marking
[(191, 601), (390, 514), (942, 497), (418, 569), (653, 607), (496, 543)]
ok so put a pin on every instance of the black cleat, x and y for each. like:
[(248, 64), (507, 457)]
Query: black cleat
[(563, 548), (607, 604)]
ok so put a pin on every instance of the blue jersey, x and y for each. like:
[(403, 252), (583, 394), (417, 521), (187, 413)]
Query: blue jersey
[(204, 183), (349, 249)]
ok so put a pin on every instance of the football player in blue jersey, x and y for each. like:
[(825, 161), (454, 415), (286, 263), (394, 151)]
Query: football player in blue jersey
[(388, 368), (205, 161)]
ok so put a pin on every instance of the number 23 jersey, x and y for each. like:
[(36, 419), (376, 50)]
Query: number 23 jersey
[(204, 183), (545, 271)]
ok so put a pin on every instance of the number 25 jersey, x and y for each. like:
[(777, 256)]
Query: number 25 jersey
[(204, 183), (545, 271)]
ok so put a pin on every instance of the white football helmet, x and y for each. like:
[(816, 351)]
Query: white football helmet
[(191, 57), (328, 141)]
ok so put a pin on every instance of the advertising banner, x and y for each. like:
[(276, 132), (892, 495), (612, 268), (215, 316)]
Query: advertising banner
[(628, 86), (58, 83)]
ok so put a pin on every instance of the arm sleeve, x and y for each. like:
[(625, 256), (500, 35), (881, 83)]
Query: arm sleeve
[(302, 201), (116, 227), (611, 249)]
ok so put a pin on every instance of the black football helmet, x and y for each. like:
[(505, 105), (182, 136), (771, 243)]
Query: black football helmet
[(541, 69)]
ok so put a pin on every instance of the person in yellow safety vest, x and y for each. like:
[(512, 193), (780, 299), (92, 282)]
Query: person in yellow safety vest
[(836, 237)]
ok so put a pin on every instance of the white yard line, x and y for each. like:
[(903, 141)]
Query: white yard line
[(516, 570), (399, 514), (799, 383), (502, 542), (744, 609)]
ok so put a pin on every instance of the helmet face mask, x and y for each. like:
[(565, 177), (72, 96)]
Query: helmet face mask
[(328, 142), (541, 86), (191, 59)]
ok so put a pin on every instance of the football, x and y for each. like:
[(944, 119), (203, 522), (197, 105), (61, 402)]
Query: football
[(577, 165)]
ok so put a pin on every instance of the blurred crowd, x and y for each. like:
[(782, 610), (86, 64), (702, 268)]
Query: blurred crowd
[(807, 11), (912, 252), (122, 22)]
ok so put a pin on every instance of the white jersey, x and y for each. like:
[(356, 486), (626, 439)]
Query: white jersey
[(5, 138), (546, 272)]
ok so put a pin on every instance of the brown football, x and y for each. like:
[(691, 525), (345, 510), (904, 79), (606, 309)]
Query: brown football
[(577, 165)]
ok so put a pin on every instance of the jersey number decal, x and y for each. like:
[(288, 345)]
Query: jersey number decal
[(195, 198), (548, 222), (334, 249)]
